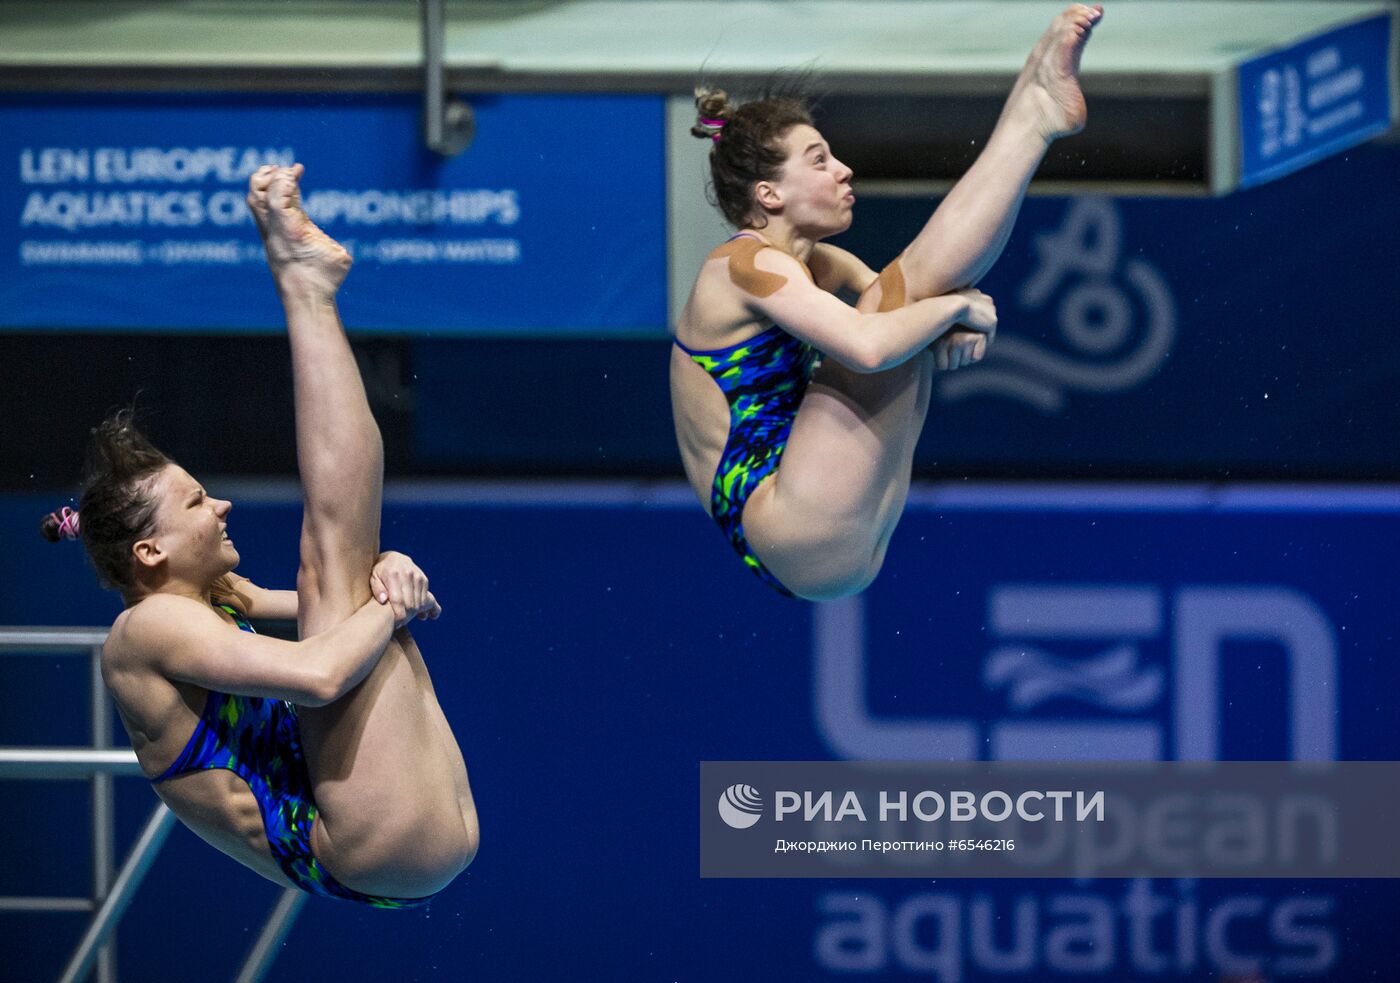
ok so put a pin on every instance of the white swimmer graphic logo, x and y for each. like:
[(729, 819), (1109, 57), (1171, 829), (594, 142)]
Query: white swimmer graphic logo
[(1112, 680), (740, 806), (1095, 317)]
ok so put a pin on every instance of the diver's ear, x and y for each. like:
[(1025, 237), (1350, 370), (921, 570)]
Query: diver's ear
[(768, 197), (148, 553)]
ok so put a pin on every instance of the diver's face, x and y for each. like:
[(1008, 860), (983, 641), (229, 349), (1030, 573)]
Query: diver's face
[(191, 537), (814, 191)]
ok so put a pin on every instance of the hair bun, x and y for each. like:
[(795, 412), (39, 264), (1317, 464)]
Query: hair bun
[(713, 109), (59, 525)]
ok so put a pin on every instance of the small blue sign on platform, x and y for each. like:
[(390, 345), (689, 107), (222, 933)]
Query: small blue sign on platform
[(1322, 95)]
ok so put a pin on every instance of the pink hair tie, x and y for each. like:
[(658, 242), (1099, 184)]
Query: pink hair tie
[(716, 124), (67, 523)]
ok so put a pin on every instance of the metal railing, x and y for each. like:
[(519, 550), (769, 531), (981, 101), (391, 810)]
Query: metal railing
[(112, 890)]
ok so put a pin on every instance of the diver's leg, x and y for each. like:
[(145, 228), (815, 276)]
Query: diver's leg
[(969, 229), (395, 811), (819, 522)]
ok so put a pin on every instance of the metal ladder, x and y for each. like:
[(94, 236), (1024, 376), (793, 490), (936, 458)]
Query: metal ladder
[(112, 889)]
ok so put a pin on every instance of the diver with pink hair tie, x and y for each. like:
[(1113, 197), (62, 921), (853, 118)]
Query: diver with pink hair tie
[(797, 414), (325, 763), (62, 524), (714, 124)]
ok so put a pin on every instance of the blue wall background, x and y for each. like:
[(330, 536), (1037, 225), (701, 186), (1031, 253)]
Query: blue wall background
[(599, 643), (1199, 339), (1244, 337)]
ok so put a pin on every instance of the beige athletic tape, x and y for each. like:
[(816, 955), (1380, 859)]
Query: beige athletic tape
[(891, 281), (747, 276)]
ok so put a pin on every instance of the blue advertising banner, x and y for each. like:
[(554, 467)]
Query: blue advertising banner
[(1248, 335), (599, 641), (1315, 98), (126, 212)]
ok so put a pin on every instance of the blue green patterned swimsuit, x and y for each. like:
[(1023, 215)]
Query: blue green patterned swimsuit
[(258, 739), (764, 380)]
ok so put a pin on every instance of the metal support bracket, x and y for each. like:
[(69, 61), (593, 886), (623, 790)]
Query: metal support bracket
[(448, 122)]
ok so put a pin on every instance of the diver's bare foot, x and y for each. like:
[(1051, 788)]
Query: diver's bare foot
[(298, 252), (1047, 91)]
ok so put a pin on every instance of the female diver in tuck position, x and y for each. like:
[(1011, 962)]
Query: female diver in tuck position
[(325, 762), (770, 367)]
